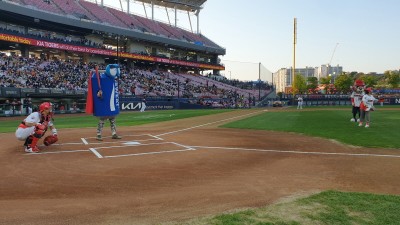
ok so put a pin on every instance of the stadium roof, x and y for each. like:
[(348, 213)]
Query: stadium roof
[(186, 5)]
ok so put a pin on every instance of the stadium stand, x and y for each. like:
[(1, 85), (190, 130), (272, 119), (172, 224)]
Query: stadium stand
[(53, 56), (130, 21), (72, 7), (102, 14), (43, 5)]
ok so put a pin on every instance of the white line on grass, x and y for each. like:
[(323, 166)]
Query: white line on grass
[(202, 125), (299, 152)]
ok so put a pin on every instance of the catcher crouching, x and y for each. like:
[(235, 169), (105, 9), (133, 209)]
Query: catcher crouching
[(34, 127)]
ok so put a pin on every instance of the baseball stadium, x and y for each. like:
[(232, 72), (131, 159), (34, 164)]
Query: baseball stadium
[(110, 117)]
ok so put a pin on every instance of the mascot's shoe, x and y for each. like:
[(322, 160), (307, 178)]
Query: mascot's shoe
[(353, 120), (29, 149), (115, 136), (99, 138)]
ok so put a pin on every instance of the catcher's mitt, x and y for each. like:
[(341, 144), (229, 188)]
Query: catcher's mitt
[(51, 139)]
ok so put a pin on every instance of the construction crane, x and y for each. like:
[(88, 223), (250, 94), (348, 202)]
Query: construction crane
[(333, 53)]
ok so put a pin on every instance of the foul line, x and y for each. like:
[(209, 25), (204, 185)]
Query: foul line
[(298, 152), (202, 125)]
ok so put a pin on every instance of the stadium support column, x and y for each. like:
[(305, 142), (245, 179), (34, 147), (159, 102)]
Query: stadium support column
[(198, 21), (25, 51), (118, 49), (259, 81), (152, 10), (176, 19), (179, 84)]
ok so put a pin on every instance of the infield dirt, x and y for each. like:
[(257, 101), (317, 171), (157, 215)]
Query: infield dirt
[(178, 170)]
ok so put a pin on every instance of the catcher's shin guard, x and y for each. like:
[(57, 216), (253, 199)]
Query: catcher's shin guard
[(31, 142), (34, 142), (28, 140)]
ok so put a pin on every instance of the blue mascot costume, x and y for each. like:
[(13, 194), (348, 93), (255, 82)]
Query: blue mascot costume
[(103, 95)]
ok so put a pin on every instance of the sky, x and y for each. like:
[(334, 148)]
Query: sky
[(359, 35)]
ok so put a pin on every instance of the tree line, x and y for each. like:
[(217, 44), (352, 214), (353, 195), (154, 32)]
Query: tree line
[(344, 82)]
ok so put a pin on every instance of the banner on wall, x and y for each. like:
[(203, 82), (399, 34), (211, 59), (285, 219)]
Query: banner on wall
[(89, 50)]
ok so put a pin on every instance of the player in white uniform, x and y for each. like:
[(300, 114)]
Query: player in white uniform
[(143, 107), (33, 127), (299, 102), (367, 106)]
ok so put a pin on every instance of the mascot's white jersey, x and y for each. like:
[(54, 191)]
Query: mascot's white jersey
[(357, 98)]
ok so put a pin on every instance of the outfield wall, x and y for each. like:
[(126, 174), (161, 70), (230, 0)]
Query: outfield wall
[(20, 102)]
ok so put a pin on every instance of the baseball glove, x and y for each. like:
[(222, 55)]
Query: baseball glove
[(51, 139)]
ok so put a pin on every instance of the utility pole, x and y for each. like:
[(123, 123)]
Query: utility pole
[(294, 57)]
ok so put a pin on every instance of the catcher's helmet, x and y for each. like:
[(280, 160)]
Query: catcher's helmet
[(45, 106)]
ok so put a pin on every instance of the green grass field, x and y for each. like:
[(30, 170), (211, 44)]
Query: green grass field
[(327, 208), (123, 119), (331, 123)]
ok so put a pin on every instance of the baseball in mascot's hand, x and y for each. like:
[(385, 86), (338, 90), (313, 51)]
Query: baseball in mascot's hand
[(100, 94)]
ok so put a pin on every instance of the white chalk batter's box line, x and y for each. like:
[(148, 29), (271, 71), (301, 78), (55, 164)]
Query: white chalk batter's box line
[(150, 138), (128, 144), (185, 148)]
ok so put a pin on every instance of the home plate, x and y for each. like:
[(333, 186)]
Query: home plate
[(132, 143)]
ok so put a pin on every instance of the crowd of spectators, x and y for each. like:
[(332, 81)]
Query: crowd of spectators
[(82, 41), (20, 72)]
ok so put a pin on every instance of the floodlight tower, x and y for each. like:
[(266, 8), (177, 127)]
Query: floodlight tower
[(333, 53)]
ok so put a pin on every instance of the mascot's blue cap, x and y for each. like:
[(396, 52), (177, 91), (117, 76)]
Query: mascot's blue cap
[(113, 70)]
